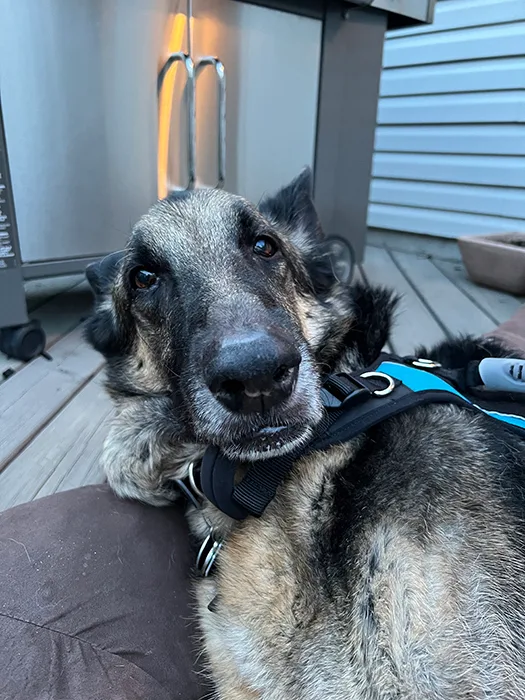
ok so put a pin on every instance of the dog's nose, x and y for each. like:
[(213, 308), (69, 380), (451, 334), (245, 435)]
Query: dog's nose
[(253, 371)]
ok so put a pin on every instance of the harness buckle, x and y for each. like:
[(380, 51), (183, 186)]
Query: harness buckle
[(189, 488), (341, 390)]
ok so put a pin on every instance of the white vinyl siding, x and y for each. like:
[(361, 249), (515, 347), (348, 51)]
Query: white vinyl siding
[(450, 142)]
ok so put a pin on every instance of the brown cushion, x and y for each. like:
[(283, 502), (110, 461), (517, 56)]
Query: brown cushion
[(95, 601)]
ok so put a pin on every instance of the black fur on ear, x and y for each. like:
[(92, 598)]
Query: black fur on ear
[(373, 310), (458, 352), (292, 208), (102, 329)]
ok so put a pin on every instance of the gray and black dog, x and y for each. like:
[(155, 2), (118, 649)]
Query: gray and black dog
[(389, 567)]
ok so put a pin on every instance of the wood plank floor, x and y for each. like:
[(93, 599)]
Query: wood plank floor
[(437, 298), (54, 414)]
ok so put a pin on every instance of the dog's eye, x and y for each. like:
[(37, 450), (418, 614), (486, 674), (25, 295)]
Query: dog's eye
[(143, 279), (265, 246)]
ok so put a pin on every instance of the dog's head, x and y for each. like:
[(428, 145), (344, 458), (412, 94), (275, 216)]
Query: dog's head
[(229, 314)]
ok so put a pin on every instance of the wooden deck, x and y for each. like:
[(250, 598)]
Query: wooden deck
[(438, 299), (54, 414)]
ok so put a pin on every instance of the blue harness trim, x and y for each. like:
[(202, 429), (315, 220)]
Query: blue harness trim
[(419, 380)]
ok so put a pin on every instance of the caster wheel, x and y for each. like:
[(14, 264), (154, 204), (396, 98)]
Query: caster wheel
[(342, 257), (23, 342)]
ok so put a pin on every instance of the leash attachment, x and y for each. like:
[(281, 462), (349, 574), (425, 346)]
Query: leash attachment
[(344, 390), (211, 545), (208, 553), (190, 486)]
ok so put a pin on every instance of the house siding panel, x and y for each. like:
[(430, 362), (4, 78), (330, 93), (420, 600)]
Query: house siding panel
[(450, 143)]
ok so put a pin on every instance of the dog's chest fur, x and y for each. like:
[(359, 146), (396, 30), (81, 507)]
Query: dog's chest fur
[(313, 601)]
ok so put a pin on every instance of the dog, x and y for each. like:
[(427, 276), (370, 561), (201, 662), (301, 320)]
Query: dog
[(392, 566)]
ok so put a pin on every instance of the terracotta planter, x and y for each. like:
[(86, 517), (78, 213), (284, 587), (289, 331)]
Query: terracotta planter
[(496, 261)]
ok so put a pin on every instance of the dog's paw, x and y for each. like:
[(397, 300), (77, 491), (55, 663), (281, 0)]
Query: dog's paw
[(135, 469)]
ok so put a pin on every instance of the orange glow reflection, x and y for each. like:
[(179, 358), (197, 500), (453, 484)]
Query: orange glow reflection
[(175, 32)]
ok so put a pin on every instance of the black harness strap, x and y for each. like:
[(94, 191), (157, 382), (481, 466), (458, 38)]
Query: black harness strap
[(353, 403), (218, 483), (262, 479), (253, 493)]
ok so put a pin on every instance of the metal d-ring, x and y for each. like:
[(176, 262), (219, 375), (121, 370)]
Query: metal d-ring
[(193, 483), (426, 364), (381, 375)]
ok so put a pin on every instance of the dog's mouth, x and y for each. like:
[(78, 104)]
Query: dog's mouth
[(271, 438), (267, 442)]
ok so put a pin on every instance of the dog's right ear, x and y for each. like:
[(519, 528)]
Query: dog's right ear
[(103, 330)]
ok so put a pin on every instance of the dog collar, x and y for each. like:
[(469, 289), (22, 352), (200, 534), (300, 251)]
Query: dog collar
[(211, 545)]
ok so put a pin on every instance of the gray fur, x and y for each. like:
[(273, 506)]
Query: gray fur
[(391, 567)]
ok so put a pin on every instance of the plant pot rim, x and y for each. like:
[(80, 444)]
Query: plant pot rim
[(501, 237), (495, 262), (494, 240)]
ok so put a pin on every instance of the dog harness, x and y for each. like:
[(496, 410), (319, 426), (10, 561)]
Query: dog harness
[(354, 403)]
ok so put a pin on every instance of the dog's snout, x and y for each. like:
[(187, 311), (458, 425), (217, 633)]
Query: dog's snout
[(253, 371)]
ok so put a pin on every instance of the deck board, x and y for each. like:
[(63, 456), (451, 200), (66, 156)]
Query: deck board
[(497, 305), (63, 453), (80, 464), (414, 324), (30, 398), (456, 312)]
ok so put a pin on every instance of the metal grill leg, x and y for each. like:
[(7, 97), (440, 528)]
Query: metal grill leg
[(351, 59)]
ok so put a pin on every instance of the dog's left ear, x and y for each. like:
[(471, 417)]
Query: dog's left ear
[(103, 330), (328, 260), (292, 208)]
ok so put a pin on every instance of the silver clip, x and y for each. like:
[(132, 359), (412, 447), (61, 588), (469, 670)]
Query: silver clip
[(191, 477), (426, 364), (391, 385), (208, 553)]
